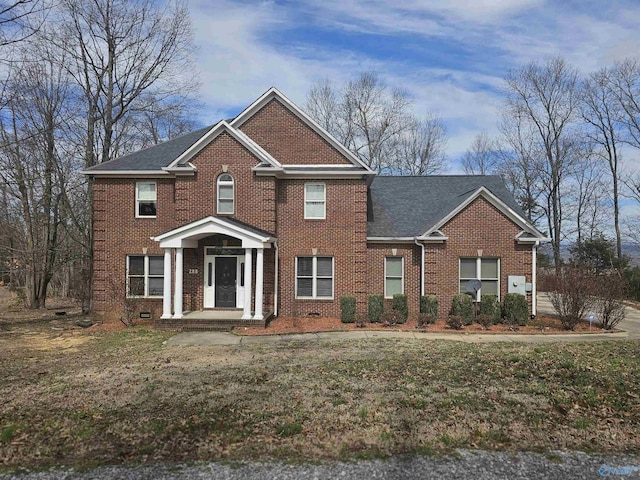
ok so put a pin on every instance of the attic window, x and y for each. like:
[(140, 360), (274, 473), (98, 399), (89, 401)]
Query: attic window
[(225, 194), (146, 199)]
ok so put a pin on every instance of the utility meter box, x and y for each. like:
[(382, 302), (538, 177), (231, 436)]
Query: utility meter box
[(517, 284)]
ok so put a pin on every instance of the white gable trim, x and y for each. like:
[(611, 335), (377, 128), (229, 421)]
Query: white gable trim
[(212, 134), (188, 235), (496, 202), (272, 93)]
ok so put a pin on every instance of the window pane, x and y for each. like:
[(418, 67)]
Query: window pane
[(136, 265), (325, 267), (146, 191), (305, 266), (156, 285), (490, 287), (394, 266), (305, 287), (314, 210), (489, 267), (325, 287), (225, 177), (226, 191), (136, 286), (147, 209), (468, 268), (225, 206), (314, 193), (156, 265), (393, 286)]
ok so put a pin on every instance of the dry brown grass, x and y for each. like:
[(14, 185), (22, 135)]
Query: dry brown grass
[(92, 397)]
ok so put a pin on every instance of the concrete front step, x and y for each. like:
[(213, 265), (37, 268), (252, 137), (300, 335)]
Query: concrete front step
[(187, 325)]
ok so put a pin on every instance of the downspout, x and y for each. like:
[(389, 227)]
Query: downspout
[(421, 245), (534, 267), (275, 283)]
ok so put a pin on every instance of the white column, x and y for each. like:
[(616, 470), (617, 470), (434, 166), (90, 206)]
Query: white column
[(246, 314), (177, 294), (259, 283), (166, 291)]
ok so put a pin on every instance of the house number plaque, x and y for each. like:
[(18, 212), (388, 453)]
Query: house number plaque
[(193, 271)]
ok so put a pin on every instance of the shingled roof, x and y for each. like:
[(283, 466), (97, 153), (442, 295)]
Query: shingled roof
[(409, 206), (155, 157)]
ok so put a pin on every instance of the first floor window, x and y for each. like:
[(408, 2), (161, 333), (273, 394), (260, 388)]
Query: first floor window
[(145, 275), (146, 199), (314, 277), (393, 276), (480, 276)]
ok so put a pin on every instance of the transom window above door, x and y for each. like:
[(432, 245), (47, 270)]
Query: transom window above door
[(225, 194)]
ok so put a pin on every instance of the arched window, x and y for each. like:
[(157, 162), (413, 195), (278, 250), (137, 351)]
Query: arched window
[(225, 194)]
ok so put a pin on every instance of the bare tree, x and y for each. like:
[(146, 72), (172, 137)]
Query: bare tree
[(546, 97), (481, 158), (30, 165), (603, 113), (420, 149), (374, 121), (521, 165), (18, 20), (127, 57)]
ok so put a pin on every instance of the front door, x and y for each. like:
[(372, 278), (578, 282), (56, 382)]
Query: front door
[(226, 275)]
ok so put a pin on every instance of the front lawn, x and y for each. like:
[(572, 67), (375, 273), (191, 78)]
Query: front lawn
[(82, 399)]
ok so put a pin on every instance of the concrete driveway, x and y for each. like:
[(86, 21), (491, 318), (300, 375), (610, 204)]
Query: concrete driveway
[(631, 327)]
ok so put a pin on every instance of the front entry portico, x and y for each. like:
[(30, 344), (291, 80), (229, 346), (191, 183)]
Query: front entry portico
[(227, 273)]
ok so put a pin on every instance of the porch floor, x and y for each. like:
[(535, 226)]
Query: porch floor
[(210, 320)]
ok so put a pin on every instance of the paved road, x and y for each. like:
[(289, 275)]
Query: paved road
[(631, 327), (466, 466)]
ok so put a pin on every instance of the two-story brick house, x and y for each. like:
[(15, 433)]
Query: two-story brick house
[(267, 214)]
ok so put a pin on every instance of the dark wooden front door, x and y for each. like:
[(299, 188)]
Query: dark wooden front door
[(226, 282)]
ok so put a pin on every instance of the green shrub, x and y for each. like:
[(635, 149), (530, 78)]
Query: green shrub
[(455, 321), (515, 309), (462, 306), (425, 319), (348, 309), (485, 320), (375, 308), (489, 305), (401, 306), (429, 305)]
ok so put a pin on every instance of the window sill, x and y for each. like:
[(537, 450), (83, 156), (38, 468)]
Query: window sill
[(311, 299), (146, 216)]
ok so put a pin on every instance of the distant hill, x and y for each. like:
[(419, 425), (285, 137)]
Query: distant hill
[(631, 250)]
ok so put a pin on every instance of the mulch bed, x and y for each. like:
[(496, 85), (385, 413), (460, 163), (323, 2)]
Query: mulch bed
[(543, 324)]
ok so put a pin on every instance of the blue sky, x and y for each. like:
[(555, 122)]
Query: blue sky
[(450, 56)]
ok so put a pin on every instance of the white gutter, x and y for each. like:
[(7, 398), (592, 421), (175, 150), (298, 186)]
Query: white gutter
[(275, 283), (421, 267), (534, 266)]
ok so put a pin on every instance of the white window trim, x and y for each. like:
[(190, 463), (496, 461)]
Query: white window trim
[(155, 184), (385, 275), (146, 276), (479, 273), (233, 191), (314, 277), (324, 202)]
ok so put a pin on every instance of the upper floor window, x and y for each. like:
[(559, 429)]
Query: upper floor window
[(393, 276), (484, 270), (315, 201), (225, 194), (146, 199)]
